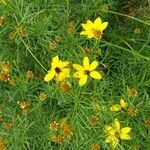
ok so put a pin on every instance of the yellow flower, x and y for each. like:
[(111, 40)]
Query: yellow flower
[(115, 133), (4, 76), (86, 70), (2, 20), (58, 70), (5, 66), (94, 29), (121, 106), (42, 96), (54, 125), (58, 139)]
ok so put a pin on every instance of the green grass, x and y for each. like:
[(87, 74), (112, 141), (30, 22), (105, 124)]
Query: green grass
[(126, 54)]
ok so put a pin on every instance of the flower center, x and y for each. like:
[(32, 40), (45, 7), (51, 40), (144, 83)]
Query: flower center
[(87, 72), (97, 33), (57, 70), (117, 135)]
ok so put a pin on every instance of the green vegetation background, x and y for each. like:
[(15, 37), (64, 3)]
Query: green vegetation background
[(125, 52)]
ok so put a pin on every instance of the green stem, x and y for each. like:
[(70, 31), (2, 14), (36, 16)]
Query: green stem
[(33, 55)]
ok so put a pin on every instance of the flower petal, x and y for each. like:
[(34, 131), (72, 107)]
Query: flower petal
[(109, 130), (115, 107), (83, 33), (86, 63), (93, 65), (108, 139), (103, 26), (115, 142), (117, 125), (64, 64), (55, 59), (83, 80), (123, 104), (89, 23), (97, 22), (87, 26), (63, 75), (76, 74), (49, 76), (77, 67), (90, 35), (55, 62), (125, 136), (126, 130), (95, 75)]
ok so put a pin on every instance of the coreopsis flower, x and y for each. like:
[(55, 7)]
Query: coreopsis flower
[(121, 106), (64, 86), (94, 120), (58, 70), (83, 72), (4, 76), (54, 126), (94, 29), (147, 123), (3, 143), (23, 104), (105, 8), (29, 74), (5, 66), (8, 126), (2, 20), (66, 129), (58, 139), (58, 38), (52, 46), (132, 92), (12, 81), (133, 111), (137, 31), (42, 96), (95, 146), (115, 133)]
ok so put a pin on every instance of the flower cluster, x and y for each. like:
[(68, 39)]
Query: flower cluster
[(60, 131), (60, 70)]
